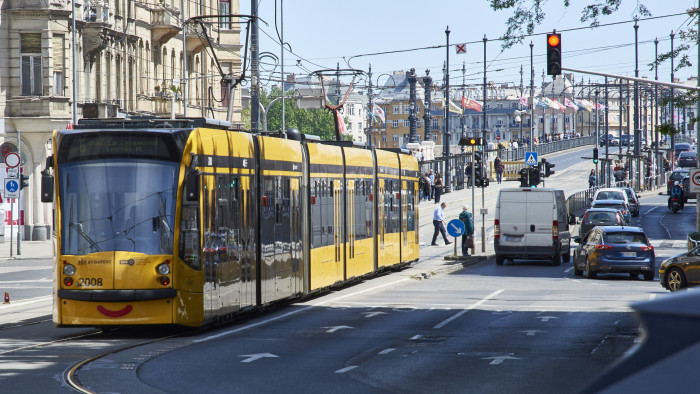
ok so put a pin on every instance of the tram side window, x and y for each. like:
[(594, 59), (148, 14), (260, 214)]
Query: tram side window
[(410, 196), (189, 236), (316, 223)]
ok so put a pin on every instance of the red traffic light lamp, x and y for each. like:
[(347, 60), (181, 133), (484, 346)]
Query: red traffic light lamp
[(554, 53)]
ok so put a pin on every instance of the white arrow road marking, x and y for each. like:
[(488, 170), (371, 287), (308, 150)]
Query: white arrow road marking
[(254, 357), (545, 318), (336, 328), (387, 351), (373, 314), (499, 359), (531, 333), (346, 369)]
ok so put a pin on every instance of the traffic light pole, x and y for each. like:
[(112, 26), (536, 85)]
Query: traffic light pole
[(19, 231)]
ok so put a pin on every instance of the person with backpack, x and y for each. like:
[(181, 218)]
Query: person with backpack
[(498, 166), (468, 237)]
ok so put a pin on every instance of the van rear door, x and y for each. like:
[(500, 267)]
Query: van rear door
[(526, 219)]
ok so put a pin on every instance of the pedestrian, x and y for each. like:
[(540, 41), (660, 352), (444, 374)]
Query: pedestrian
[(422, 181), (591, 180), (438, 187), (498, 166), (431, 176), (468, 237), (426, 187), (439, 223)]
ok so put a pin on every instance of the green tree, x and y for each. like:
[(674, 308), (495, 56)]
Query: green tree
[(317, 121)]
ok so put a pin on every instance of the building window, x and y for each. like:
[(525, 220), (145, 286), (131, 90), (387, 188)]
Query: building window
[(396, 109), (435, 137), (30, 50), (541, 119), (406, 123), (384, 138), (395, 138), (224, 9), (395, 123), (436, 123), (359, 126), (226, 69), (59, 53)]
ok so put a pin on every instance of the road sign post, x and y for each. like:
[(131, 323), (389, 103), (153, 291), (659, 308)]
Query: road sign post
[(695, 180), (455, 228)]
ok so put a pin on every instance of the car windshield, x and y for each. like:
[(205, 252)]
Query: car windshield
[(623, 237), (609, 205), (602, 218), (678, 175), (610, 195)]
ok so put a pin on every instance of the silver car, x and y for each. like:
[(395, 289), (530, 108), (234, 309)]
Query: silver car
[(633, 200)]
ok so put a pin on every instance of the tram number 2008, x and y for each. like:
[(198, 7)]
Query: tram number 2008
[(89, 282)]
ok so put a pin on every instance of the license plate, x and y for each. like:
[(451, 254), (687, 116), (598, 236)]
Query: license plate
[(629, 254), (512, 239)]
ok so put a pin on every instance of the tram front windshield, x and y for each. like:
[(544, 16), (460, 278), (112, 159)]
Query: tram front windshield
[(117, 204)]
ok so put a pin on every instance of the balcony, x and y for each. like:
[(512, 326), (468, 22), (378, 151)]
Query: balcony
[(96, 29), (196, 40), (100, 110), (165, 24)]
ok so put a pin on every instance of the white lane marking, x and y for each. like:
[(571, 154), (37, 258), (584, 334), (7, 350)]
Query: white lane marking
[(294, 312), (387, 351), (568, 269), (15, 304), (415, 337), (467, 309), (499, 359), (346, 369), (254, 357), (372, 314), (531, 333), (336, 328), (545, 318)]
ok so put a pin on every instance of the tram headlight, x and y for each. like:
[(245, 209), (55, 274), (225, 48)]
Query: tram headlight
[(163, 269), (69, 270)]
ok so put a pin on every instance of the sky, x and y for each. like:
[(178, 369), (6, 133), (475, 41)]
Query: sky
[(323, 34)]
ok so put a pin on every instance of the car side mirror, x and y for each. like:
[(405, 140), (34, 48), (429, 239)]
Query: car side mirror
[(572, 219)]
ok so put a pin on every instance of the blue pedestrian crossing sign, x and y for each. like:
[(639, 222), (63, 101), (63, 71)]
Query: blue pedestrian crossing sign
[(530, 158), (11, 188)]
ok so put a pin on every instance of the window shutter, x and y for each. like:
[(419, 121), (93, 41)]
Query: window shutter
[(59, 53)]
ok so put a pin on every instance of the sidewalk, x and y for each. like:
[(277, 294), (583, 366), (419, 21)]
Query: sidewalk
[(28, 250)]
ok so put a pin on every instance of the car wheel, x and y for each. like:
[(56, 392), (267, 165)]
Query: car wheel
[(589, 273), (556, 259), (577, 272), (500, 260), (675, 280), (648, 276), (566, 257)]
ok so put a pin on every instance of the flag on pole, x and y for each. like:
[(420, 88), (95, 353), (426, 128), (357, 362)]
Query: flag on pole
[(523, 101), (557, 105), (378, 112), (455, 109), (541, 103), (570, 104), (470, 104)]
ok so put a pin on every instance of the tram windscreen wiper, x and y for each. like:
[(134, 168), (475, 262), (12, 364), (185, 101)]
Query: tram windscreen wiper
[(79, 228)]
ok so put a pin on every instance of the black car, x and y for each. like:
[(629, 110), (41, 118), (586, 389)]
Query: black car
[(680, 147), (676, 176), (688, 159), (600, 217), (681, 270), (614, 249)]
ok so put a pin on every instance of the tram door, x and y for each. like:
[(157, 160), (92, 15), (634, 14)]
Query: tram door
[(381, 222), (209, 195)]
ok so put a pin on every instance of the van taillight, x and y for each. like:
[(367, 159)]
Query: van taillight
[(496, 229), (555, 229)]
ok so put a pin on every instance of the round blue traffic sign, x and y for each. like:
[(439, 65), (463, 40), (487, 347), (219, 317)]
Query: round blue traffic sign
[(11, 186), (455, 227)]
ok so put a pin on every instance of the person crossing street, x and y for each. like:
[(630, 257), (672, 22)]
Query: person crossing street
[(439, 223)]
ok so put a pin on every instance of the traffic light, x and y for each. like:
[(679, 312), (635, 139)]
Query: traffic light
[(534, 176), (553, 54), (473, 141), (547, 168), (477, 157), (523, 177), (23, 181), (595, 155)]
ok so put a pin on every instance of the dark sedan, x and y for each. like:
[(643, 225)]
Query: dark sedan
[(600, 217), (681, 270), (614, 249), (620, 205), (688, 159)]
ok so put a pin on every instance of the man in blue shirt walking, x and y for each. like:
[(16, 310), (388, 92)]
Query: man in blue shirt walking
[(439, 223)]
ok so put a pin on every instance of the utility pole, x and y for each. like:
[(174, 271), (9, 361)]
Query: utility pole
[(532, 101), (673, 137), (483, 159), (370, 111), (637, 130), (412, 118), (462, 119), (446, 135), (522, 118), (606, 165), (254, 69), (427, 106)]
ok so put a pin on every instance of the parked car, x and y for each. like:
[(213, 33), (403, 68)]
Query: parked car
[(612, 140), (600, 217), (685, 185), (687, 159), (626, 140), (680, 147), (620, 205), (633, 200), (613, 249), (676, 176), (681, 270)]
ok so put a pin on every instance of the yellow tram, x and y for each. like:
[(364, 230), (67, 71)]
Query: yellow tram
[(161, 221)]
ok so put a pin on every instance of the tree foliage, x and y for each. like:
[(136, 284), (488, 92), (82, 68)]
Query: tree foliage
[(315, 121)]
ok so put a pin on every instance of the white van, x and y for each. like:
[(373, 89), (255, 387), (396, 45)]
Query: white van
[(532, 223)]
